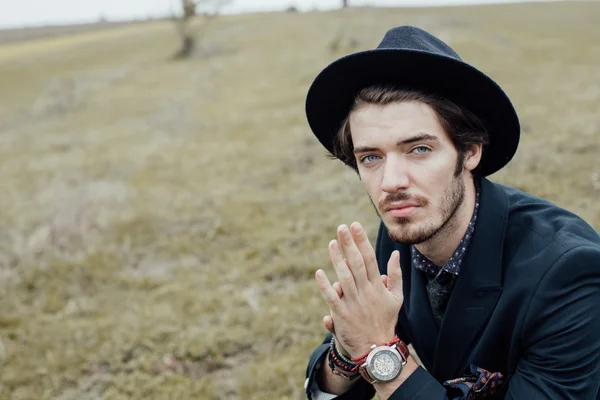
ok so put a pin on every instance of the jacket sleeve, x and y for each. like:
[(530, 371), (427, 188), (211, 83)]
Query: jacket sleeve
[(561, 341), (561, 335)]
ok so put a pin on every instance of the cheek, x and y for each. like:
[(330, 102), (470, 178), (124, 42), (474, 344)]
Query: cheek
[(372, 184), (374, 191), (432, 178)]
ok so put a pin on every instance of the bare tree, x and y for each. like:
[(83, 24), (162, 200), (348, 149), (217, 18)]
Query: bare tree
[(189, 10)]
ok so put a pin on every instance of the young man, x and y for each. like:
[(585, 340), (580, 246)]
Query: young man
[(498, 291)]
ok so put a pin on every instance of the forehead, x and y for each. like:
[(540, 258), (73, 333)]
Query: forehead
[(395, 121)]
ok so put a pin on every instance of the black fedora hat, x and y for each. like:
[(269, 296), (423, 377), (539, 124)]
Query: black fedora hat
[(409, 57)]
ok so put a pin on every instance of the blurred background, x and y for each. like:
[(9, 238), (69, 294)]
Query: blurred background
[(164, 205)]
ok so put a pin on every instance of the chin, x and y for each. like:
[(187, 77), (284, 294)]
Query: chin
[(407, 231)]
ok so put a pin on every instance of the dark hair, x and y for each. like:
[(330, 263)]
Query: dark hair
[(462, 126)]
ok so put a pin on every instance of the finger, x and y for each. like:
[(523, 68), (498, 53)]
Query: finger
[(384, 280), (348, 265), (353, 256), (344, 274), (328, 322), (327, 291), (338, 288), (368, 254), (395, 274)]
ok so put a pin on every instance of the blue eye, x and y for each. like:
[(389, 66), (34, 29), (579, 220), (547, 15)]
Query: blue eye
[(368, 159), (423, 149)]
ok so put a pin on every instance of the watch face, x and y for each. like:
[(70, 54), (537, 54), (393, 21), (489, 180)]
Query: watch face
[(385, 364)]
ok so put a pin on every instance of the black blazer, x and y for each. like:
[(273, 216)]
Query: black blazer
[(526, 303)]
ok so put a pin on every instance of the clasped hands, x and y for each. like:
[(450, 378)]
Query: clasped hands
[(363, 304)]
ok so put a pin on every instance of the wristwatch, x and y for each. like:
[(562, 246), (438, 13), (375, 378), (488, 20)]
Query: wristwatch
[(384, 363)]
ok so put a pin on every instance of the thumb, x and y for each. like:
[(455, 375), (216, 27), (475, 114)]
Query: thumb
[(395, 274), (328, 322)]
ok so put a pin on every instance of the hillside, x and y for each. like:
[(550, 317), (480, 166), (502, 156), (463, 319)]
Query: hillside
[(162, 221)]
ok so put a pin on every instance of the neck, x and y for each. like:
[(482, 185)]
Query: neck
[(442, 245)]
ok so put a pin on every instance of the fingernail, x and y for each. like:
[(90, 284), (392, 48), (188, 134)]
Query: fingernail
[(357, 228)]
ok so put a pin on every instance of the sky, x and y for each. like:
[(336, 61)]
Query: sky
[(18, 13)]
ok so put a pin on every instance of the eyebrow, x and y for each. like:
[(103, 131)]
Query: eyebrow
[(418, 138)]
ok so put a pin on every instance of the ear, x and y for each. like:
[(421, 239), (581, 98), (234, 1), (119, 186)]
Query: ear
[(473, 157)]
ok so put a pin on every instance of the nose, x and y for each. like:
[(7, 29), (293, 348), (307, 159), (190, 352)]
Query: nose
[(395, 175)]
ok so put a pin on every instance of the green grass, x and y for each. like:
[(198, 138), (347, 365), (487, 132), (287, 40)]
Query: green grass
[(162, 221)]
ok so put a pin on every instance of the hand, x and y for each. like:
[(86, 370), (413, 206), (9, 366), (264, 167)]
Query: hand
[(328, 320), (365, 311)]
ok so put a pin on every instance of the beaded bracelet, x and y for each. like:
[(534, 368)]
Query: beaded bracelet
[(340, 355), (341, 364), (339, 359), (337, 370), (333, 346)]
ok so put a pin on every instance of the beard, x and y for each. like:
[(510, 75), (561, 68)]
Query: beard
[(405, 230)]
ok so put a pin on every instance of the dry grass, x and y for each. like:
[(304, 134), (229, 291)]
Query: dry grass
[(162, 222)]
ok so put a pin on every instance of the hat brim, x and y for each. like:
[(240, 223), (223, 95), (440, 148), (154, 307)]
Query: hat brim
[(332, 94)]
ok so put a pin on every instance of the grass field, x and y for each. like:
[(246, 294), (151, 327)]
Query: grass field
[(161, 222)]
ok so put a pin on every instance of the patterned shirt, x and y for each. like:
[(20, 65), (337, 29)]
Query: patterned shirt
[(441, 280)]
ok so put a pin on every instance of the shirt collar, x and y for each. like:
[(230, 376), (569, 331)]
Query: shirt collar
[(453, 265)]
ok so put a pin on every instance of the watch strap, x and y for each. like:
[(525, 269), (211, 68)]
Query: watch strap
[(403, 350)]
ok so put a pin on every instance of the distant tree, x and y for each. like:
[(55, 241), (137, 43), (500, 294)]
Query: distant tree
[(189, 10), (345, 3)]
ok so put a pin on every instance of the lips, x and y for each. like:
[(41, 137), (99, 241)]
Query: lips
[(399, 206), (402, 204), (402, 209)]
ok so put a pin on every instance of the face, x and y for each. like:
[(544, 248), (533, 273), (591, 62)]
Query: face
[(408, 164)]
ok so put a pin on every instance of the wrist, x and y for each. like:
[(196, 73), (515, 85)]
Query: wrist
[(379, 340), (340, 349), (359, 359), (386, 389)]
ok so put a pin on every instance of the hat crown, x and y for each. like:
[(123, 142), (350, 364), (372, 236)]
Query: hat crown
[(412, 38)]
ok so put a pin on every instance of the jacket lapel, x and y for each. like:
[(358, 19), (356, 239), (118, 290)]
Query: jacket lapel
[(420, 319), (478, 285), (421, 324)]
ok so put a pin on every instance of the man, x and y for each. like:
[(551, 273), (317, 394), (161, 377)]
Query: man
[(498, 291)]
